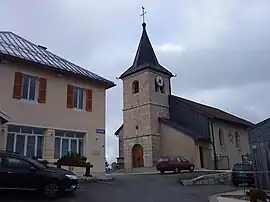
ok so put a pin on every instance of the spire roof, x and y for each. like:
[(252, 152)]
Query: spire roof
[(145, 58)]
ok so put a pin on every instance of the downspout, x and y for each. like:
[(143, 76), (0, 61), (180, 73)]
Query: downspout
[(170, 88), (214, 147)]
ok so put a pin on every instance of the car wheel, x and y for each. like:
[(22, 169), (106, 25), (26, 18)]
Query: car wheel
[(179, 170), (162, 171), (191, 168), (51, 189)]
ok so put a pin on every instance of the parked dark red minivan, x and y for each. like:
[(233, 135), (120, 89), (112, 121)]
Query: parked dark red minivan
[(175, 164)]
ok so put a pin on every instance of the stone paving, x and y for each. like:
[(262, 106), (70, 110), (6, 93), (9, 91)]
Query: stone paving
[(133, 188)]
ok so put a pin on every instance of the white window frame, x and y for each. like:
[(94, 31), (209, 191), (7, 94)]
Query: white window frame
[(84, 98), (26, 139), (29, 86), (69, 143)]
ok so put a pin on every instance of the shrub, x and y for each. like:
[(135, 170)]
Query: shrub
[(72, 160), (255, 194)]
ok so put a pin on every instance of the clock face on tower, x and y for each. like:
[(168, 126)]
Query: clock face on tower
[(159, 81)]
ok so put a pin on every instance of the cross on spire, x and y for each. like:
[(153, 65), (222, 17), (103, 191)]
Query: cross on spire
[(143, 14)]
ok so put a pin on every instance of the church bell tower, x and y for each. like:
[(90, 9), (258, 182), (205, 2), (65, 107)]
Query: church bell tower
[(146, 90)]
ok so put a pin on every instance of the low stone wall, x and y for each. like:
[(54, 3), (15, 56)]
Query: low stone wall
[(218, 178)]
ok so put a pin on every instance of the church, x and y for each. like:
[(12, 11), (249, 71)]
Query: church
[(158, 124)]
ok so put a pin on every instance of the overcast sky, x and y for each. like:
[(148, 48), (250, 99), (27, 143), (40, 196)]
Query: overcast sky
[(219, 49)]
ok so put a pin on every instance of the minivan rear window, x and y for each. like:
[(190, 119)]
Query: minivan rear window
[(242, 167), (164, 160)]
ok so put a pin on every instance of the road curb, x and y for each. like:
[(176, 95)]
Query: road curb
[(84, 180)]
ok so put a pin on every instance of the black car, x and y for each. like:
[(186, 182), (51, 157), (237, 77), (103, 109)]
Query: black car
[(22, 173), (242, 173)]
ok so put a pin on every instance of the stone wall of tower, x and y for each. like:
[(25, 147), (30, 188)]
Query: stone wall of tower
[(140, 114), (137, 130), (146, 143), (135, 100)]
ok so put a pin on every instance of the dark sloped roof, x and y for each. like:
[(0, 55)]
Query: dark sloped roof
[(178, 127), (260, 132), (145, 58), (259, 124), (20, 48), (3, 117), (118, 130), (213, 112)]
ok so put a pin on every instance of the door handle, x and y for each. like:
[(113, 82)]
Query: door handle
[(9, 172)]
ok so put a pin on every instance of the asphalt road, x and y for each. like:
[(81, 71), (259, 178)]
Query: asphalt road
[(132, 188)]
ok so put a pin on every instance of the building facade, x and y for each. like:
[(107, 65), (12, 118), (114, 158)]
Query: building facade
[(260, 142), (158, 124), (55, 107)]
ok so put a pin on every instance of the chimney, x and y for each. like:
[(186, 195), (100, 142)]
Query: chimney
[(43, 47)]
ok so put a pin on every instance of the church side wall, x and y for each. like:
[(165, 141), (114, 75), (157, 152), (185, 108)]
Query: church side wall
[(229, 149), (176, 143)]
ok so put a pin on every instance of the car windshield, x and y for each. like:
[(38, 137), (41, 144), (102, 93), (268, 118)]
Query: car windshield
[(242, 167), (164, 160), (35, 163)]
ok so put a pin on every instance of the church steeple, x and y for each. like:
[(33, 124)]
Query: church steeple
[(145, 58)]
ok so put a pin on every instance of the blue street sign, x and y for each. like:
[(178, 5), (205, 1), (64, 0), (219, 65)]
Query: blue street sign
[(100, 131)]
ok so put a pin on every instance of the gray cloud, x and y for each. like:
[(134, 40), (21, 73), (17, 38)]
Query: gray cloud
[(218, 49)]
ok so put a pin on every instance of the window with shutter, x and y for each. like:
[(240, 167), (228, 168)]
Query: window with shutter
[(30, 88), (70, 94), (17, 90), (42, 90), (79, 98), (89, 99)]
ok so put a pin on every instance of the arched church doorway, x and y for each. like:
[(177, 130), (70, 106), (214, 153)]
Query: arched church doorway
[(137, 156)]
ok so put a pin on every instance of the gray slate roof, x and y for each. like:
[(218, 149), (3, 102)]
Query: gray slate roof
[(260, 132), (186, 131), (145, 58), (209, 111), (12, 45)]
